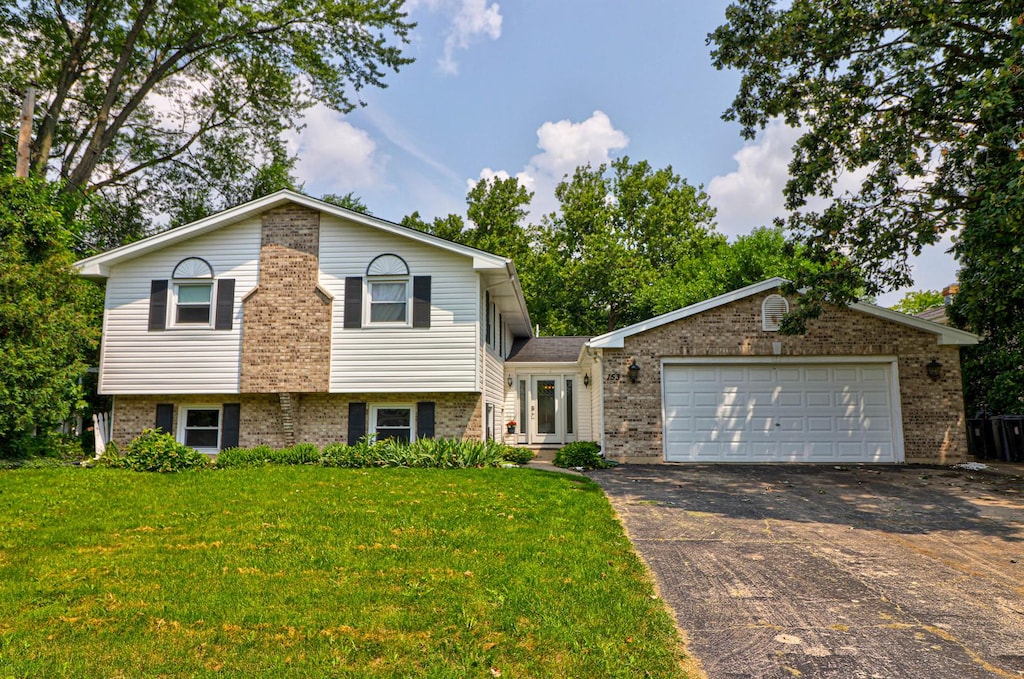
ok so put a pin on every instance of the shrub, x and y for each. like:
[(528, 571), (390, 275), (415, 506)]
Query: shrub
[(300, 453), (50, 444), (153, 451), (585, 454), (421, 453), (518, 455), (245, 457)]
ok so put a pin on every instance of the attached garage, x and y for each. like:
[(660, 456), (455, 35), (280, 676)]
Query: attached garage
[(781, 411), (718, 382)]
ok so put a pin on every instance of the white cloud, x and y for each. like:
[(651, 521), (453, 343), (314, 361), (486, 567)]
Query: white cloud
[(471, 21), (334, 155), (564, 146), (751, 196)]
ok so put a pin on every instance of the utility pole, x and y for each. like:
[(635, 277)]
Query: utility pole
[(25, 136)]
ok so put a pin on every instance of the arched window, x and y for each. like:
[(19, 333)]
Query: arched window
[(193, 292), (387, 290), (773, 308)]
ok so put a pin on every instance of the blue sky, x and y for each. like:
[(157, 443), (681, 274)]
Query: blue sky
[(533, 88)]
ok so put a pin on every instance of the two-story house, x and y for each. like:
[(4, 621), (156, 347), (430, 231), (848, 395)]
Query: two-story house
[(288, 319)]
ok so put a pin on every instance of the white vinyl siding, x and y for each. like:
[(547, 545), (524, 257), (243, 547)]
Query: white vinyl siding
[(178, 360), (400, 359), (494, 390)]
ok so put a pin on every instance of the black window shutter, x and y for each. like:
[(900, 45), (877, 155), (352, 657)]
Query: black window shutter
[(165, 417), (229, 427), (353, 302), (225, 303), (425, 419), (158, 305), (421, 301), (356, 422)]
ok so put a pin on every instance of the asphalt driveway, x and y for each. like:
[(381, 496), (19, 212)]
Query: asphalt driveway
[(801, 571)]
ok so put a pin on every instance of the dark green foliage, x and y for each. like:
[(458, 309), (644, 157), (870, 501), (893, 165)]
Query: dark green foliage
[(53, 445), (116, 84), (585, 454), (519, 455), (421, 453), (48, 315), (923, 99), (246, 457), (154, 451), (300, 453)]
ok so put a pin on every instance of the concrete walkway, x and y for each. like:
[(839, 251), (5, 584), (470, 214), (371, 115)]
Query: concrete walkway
[(801, 571)]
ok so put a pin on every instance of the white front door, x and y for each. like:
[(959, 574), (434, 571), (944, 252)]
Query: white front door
[(545, 409)]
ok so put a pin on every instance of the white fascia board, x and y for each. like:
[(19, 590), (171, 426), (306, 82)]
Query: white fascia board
[(616, 338), (98, 266), (946, 335)]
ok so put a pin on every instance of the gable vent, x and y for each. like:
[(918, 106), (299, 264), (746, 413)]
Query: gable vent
[(773, 309)]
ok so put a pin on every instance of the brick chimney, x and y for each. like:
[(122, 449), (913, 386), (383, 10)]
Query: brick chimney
[(949, 292)]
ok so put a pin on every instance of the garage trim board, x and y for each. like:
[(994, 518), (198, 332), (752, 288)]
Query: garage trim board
[(842, 409)]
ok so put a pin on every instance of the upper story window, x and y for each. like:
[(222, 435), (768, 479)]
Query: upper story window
[(192, 293), (388, 291), (773, 308), (192, 298)]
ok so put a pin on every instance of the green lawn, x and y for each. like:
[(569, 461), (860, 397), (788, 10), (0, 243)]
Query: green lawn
[(307, 571)]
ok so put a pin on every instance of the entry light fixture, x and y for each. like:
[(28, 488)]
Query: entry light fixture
[(934, 369), (509, 381), (634, 371), (586, 380)]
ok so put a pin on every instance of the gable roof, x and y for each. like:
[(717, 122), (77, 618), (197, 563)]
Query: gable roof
[(615, 339), (98, 266), (500, 271), (547, 350)]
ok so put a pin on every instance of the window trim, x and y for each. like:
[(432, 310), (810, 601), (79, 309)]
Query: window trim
[(182, 414), (368, 299), (173, 307), (374, 408)]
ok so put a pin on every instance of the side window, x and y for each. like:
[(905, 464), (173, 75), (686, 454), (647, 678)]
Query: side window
[(192, 302), (387, 291), (487, 313), (199, 428), (392, 421), (192, 293)]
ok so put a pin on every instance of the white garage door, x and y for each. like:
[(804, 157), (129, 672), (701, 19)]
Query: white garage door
[(827, 412)]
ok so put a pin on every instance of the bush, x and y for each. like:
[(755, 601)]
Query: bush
[(518, 455), (585, 454), (51, 445), (245, 457), (421, 453), (153, 451)]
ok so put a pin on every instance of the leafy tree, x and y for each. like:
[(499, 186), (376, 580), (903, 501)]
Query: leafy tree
[(48, 314), (923, 99), (620, 231), (915, 302), (151, 96), (349, 201)]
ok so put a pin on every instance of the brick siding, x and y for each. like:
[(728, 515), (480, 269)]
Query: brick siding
[(286, 337), (319, 418), (933, 417)]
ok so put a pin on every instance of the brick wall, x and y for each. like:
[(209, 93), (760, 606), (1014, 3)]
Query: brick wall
[(933, 418), (318, 418), (286, 327)]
